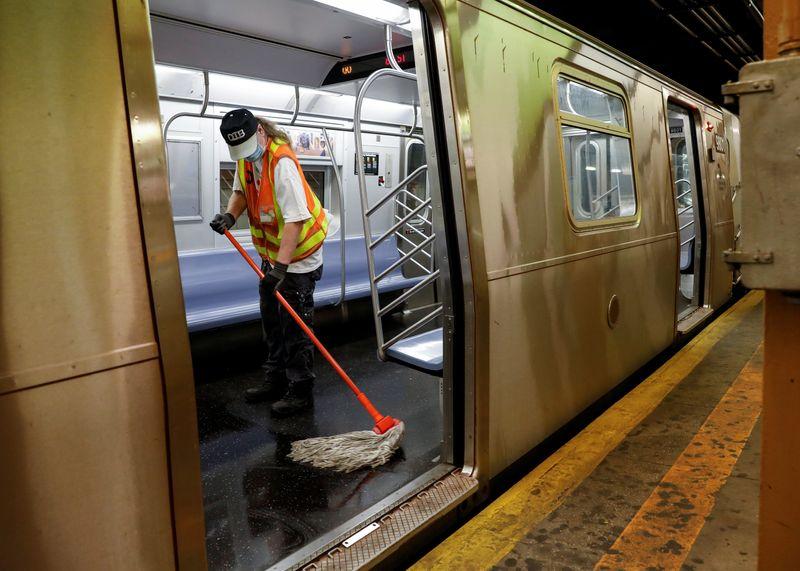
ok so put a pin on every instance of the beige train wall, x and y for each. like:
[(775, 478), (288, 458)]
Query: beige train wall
[(87, 441)]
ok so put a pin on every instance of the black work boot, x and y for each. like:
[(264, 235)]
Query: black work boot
[(298, 398), (272, 389)]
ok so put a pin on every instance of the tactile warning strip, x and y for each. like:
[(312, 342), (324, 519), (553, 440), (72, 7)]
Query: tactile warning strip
[(397, 524)]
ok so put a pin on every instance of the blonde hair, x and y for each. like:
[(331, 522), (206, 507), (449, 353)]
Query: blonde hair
[(273, 131)]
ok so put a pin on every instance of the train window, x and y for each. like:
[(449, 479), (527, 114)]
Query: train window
[(584, 101), (184, 179), (596, 145), (599, 174), (227, 172), (316, 180)]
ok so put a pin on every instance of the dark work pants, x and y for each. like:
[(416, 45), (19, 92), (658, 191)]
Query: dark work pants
[(290, 352)]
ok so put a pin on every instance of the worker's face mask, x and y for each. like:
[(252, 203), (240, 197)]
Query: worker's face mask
[(257, 154)]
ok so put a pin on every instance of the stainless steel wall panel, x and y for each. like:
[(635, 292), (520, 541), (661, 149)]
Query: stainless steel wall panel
[(169, 315), (552, 352), (71, 285), (516, 147), (97, 471), (546, 350), (83, 469)]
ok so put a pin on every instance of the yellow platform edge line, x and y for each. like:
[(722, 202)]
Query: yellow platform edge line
[(489, 536), (695, 479)]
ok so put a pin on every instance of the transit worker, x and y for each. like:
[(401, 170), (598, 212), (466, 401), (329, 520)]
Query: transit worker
[(288, 226)]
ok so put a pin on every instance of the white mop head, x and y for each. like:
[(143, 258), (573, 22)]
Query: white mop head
[(349, 451)]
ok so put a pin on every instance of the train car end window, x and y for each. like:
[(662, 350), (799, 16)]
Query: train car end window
[(597, 154), (227, 172), (316, 180), (184, 179)]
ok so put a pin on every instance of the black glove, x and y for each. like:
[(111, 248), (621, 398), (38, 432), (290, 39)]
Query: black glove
[(222, 222), (274, 278)]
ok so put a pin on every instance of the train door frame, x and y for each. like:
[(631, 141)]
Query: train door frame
[(700, 292), (444, 157), (158, 232)]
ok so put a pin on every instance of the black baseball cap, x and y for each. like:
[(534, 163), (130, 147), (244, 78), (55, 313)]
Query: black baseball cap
[(238, 128)]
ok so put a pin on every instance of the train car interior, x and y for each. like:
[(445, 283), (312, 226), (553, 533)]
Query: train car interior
[(363, 149), (688, 203)]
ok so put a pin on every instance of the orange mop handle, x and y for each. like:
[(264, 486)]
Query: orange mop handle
[(362, 398)]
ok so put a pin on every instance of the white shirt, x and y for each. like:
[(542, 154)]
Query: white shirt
[(291, 197)]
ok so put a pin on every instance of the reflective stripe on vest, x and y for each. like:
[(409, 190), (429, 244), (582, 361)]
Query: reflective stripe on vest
[(266, 220)]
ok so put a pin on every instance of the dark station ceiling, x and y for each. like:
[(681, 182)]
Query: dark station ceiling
[(698, 44)]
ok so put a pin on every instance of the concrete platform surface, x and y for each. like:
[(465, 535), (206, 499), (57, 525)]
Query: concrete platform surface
[(666, 478)]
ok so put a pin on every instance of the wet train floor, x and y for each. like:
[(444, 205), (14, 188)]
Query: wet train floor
[(260, 506)]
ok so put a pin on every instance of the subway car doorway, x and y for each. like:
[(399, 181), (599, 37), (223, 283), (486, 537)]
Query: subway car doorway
[(380, 302)]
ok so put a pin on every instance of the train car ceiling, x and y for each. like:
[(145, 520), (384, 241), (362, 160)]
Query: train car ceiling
[(291, 41)]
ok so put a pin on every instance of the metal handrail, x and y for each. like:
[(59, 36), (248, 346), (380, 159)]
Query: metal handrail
[(684, 193), (414, 196), (296, 105), (407, 208), (412, 226), (205, 91), (607, 212), (426, 270), (362, 186), (688, 240), (405, 256), (687, 209), (310, 124), (397, 224), (409, 241), (400, 186), (686, 225), (342, 217), (413, 328), (390, 49), (310, 114), (408, 293), (606, 193)]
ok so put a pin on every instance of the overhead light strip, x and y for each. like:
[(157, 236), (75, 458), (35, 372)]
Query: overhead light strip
[(380, 11)]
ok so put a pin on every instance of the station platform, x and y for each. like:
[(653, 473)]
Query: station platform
[(666, 478)]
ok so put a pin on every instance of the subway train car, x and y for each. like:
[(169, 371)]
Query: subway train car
[(530, 215)]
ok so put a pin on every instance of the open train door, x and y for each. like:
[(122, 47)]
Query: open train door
[(684, 124)]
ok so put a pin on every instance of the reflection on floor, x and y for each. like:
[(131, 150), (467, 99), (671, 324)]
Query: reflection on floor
[(260, 506)]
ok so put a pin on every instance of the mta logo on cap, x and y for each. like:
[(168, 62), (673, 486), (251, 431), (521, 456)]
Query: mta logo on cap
[(236, 135), (237, 126)]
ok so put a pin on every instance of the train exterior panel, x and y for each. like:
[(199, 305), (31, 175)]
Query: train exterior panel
[(86, 387), (544, 285)]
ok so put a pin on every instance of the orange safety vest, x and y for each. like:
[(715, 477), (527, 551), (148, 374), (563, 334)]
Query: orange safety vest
[(266, 220)]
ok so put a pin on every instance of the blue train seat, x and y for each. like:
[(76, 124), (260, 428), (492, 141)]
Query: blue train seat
[(220, 289), (423, 351)]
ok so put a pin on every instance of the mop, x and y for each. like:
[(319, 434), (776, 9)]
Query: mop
[(341, 452)]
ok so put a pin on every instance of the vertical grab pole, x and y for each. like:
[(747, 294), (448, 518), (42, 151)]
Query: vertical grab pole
[(362, 188), (205, 92), (342, 234), (390, 49), (296, 105)]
